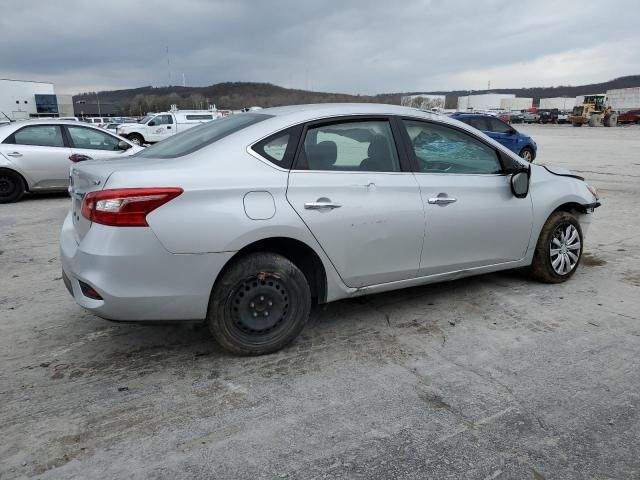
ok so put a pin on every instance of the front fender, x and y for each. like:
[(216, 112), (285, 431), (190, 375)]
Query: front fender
[(549, 192)]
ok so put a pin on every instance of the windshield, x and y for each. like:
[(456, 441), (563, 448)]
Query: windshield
[(145, 119), (198, 137)]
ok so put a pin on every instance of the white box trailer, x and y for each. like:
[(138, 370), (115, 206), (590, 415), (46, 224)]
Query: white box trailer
[(485, 101), (564, 104), (516, 104), (624, 99)]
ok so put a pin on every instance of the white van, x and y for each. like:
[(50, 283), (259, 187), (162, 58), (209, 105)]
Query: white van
[(158, 126)]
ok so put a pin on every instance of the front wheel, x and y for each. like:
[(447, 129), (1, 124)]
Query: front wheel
[(259, 305), (559, 249), (527, 154)]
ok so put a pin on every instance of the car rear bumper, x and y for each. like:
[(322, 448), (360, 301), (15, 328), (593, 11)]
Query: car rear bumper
[(137, 278)]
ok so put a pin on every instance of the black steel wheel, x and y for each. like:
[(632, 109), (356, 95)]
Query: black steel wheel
[(11, 186), (259, 305)]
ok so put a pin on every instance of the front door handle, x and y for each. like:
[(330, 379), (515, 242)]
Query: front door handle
[(14, 154), (321, 204), (442, 200)]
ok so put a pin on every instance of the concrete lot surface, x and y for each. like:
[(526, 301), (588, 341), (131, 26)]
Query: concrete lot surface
[(484, 378)]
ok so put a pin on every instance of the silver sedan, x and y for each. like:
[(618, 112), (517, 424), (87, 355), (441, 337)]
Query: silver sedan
[(35, 155), (247, 221)]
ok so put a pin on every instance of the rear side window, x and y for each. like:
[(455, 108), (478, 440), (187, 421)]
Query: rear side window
[(162, 120), (442, 149), (39, 135), (280, 147), (199, 117), (199, 137), (364, 146)]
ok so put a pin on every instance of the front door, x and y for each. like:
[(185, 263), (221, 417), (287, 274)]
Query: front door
[(472, 217), (160, 127), (40, 152), (365, 210)]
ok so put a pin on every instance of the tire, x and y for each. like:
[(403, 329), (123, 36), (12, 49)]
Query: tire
[(612, 120), (595, 121), (259, 305), (547, 267), (528, 154), (12, 186), (136, 139)]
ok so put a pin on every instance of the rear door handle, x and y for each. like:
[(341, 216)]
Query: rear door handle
[(442, 200), (321, 204), (14, 154)]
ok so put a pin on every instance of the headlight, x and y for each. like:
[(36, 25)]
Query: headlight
[(593, 191)]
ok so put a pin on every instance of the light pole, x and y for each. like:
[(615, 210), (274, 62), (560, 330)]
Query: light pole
[(98, 98)]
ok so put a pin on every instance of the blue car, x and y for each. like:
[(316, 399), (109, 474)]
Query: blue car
[(501, 132)]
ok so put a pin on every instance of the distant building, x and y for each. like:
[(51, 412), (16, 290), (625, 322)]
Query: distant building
[(24, 99), (84, 108), (564, 104)]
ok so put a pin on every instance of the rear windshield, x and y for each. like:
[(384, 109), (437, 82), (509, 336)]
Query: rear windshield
[(198, 137)]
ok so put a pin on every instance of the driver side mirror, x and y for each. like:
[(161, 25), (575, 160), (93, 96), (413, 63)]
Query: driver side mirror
[(122, 145), (520, 183), (151, 123)]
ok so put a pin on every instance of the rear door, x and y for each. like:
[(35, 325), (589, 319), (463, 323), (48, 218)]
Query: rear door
[(41, 153), (472, 218), (355, 193)]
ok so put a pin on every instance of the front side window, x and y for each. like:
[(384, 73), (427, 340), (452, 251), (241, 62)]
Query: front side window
[(366, 146), (92, 139), (163, 120), (39, 135), (442, 149), (200, 136), (499, 126)]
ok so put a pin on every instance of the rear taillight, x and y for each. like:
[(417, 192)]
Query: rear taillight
[(125, 207)]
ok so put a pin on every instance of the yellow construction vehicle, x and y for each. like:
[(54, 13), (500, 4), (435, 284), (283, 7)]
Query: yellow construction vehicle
[(595, 111)]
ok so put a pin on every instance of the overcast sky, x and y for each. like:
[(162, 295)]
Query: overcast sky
[(333, 45)]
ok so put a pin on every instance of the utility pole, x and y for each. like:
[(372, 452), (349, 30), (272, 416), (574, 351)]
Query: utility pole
[(184, 82), (98, 98), (168, 66)]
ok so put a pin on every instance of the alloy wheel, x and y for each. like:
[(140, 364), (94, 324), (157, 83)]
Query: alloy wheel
[(565, 249)]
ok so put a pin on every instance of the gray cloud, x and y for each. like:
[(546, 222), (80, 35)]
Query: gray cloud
[(346, 46)]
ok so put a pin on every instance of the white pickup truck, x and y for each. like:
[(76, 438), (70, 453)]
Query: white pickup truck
[(158, 126)]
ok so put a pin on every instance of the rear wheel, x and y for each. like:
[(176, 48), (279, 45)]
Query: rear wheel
[(528, 154), (559, 249), (11, 186), (136, 139), (259, 305)]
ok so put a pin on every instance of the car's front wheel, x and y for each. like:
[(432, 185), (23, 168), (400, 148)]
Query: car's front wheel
[(259, 305), (559, 249), (527, 154)]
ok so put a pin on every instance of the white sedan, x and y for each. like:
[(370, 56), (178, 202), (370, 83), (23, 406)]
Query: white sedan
[(35, 156)]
